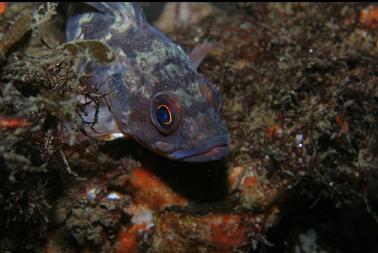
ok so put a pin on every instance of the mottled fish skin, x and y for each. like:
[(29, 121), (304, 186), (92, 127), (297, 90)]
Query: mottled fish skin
[(148, 66)]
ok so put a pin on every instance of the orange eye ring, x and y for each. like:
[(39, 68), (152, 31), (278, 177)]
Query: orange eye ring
[(169, 113)]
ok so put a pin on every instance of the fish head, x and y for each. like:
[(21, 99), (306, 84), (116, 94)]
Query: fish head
[(189, 126), (181, 126)]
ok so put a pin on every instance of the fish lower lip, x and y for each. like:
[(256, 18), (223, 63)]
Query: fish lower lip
[(210, 150), (214, 154)]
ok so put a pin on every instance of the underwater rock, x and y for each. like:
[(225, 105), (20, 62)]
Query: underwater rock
[(369, 17), (298, 84), (183, 14)]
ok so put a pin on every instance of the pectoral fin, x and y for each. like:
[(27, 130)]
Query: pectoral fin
[(199, 53), (100, 124)]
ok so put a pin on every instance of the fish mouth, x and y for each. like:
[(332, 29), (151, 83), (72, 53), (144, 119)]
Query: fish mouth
[(210, 150)]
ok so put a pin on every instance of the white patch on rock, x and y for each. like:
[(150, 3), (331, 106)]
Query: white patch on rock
[(144, 216)]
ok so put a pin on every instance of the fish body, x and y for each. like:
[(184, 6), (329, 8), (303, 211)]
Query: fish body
[(157, 97)]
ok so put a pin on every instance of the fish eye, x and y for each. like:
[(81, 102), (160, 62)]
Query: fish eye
[(165, 112)]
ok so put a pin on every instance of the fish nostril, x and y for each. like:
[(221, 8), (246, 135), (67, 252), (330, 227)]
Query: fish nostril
[(191, 129)]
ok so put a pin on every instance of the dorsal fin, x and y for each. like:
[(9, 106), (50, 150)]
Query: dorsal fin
[(102, 18), (123, 12)]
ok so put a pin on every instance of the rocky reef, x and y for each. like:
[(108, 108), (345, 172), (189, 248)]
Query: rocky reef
[(299, 87)]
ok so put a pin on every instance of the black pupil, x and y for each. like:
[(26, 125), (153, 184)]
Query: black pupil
[(162, 115)]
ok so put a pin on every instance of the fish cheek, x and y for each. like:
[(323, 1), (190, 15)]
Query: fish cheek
[(141, 126)]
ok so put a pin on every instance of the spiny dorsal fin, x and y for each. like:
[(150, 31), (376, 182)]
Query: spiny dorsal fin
[(123, 12)]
